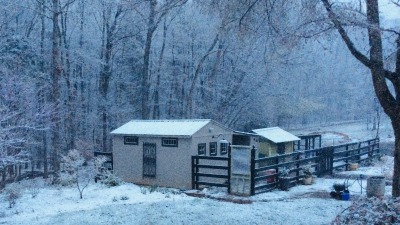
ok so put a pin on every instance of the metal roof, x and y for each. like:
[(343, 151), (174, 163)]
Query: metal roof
[(276, 134), (162, 127)]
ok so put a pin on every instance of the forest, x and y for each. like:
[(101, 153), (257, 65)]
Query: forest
[(71, 71)]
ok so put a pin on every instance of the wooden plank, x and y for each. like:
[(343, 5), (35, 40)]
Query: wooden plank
[(212, 167), (211, 175), (270, 186), (265, 177), (211, 157), (211, 184)]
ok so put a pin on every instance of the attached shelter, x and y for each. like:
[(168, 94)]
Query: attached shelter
[(274, 141)]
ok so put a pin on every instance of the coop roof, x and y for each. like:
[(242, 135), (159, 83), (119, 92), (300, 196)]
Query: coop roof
[(276, 134), (162, 127)]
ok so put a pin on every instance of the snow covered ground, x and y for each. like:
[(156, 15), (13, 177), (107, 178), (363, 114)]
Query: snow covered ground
[(352, 131), (132, 204)]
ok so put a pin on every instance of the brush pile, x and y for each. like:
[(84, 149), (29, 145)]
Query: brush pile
[(374, 210)]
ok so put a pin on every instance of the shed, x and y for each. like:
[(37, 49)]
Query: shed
[(275, 140), (158, 152)]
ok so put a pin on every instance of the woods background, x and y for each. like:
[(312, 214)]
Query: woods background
[(73, 70)]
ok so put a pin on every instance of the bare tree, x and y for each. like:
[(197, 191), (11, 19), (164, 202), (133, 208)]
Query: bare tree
[(156, 14), (109, 28), (79, 170), (380, 75), (56, 73)]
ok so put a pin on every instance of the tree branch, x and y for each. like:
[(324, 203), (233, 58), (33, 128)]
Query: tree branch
[(350, 45)]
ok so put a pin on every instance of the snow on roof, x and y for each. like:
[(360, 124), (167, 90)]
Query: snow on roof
[(276, 134), (162, 127)]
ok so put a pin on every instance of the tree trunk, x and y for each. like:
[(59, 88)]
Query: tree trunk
[(106, 71), (41, 92), (156, 108), (70, 81), (56, 74), (145, 86), (396, 170)]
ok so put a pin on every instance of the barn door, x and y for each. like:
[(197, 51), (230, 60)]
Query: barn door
[(149, 160)]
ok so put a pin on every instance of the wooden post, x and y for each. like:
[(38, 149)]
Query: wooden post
[(298, 166), (320, 141), (229, 168), (252, 170), (197, 171), (193, 175), (331, 150), (347, 155)]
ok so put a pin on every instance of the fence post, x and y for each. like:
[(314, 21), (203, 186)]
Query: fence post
[(193, 171), (298, 166), (377, 145), (331, 156), (252, 170), (347, 155), (229, 167)]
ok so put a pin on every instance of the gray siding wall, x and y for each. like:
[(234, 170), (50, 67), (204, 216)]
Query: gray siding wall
[(173, 163), (205, 135)]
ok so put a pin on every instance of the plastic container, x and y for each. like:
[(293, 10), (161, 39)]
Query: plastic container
[(345, 196), (376, 186)]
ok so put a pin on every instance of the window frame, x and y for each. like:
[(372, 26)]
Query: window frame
[(225, 147), (212, 152), (174, 145), (203, 145), (126, 142)]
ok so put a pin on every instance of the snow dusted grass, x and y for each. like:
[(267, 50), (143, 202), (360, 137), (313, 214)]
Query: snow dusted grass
[(132, 204), (128, 202)]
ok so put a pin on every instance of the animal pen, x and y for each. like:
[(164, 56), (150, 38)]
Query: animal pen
[(242, 173)]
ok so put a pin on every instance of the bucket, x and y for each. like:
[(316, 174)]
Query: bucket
[(376, 186), (345, 196), (353, 166), (271, 172)]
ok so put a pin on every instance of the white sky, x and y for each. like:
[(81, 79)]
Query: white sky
[(389, 10)]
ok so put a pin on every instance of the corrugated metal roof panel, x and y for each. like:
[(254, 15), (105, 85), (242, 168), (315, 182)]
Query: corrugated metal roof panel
[(276, 134)]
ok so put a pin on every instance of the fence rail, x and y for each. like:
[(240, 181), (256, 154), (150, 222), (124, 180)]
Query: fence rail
[(265, 171), (208, 171)]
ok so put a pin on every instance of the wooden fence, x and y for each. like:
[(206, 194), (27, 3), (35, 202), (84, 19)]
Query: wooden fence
[(264, 174), (211, 171)]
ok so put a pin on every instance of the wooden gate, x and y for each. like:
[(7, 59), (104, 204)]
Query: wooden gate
[(149, 160), (325, 162), (211, 171)]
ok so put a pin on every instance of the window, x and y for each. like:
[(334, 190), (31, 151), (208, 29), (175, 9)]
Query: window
[(213, 148), (202, 149), (223, 148), (170, 142), (131, 140)]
